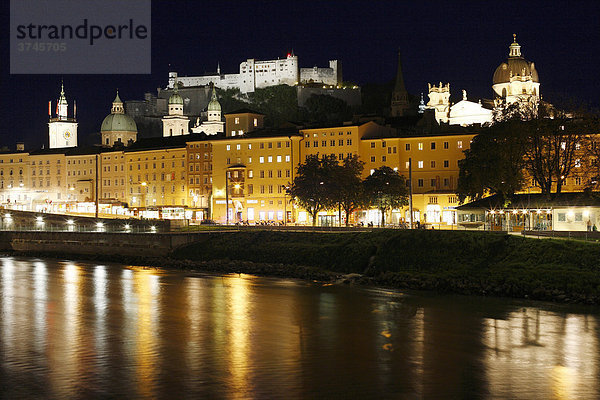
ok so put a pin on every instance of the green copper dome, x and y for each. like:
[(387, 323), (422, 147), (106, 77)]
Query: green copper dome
[(213, 104), (118, 123), (175, 99)]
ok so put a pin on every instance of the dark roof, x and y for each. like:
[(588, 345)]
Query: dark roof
[(244, 111), (168, 142), (264, 133), (68, 151), (536, 200)]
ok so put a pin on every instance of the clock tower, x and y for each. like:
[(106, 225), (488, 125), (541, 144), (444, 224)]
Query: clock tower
[(62, 130)]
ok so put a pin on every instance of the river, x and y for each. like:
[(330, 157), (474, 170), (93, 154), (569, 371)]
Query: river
[(86, 330)]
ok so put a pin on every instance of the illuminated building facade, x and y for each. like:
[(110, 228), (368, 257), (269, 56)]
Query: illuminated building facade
[(255, 74)]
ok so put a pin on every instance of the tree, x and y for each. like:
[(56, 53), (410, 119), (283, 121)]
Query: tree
[(324, 108), (550, 155), (386, 190), (494, 163), (312, 186), (347, 189)]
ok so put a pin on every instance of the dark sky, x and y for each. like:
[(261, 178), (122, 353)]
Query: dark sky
[(449, 41)]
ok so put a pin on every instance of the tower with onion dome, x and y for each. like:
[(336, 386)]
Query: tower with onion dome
[(175, 123)]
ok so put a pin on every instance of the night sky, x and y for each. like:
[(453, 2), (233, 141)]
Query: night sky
[(457, 42)]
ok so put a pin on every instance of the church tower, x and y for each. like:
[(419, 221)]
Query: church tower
[(400, 105), (118, 127), (62, 130), (175, 124), (439, 100)]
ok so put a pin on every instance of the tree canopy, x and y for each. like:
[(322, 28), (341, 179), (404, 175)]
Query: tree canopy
[(386, 190)]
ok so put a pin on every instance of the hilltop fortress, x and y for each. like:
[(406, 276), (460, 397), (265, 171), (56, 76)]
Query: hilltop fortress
[(254, 74)]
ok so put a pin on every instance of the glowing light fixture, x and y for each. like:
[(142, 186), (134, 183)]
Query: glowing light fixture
[(70, 222)]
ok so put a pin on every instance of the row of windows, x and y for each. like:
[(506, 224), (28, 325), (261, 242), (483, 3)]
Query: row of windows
[(434, 183), (324, 134), (261, 145), (162, 165), (269, 173), (340, 142), (21, 160), (420, 146), (205, 180)]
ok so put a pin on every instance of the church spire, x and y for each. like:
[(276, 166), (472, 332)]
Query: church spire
[(400, 105), (399, 87)]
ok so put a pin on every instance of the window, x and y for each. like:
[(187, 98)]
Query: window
[(341, 142), (278, 158), (250, 174), (446, 182), (446, 163), (270, 145), (578, 180), (420, 146), (255, 122), (383, 159), (270, 158), (250, 189), (459, 144), (261, 160), (420, 183), (407, 146), (323, 143), (383, 144), (238, 146), (420, 164), (228, 147), (433, 164), (287, 158), (407, 165), (316, 143), (433, 199), (445, 145), (349, 142), (307, 144), (432, 145), (372, 158), (332, 142), (249, 160), (270, 173), (433, 183), (237, 120), (372, 145), (577, 163), (262, 174)]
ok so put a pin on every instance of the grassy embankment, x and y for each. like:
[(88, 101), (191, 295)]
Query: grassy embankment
[(460, 262)]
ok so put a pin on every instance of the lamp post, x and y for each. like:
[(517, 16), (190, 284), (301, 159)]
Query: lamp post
[(226, 197)]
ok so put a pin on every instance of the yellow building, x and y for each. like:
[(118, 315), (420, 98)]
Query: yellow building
[(199, 177), (156, 173), (251, 173), (81, 180), (242, 121), (15, 180)]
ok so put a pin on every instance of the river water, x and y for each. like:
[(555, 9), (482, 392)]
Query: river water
[(84, 330)]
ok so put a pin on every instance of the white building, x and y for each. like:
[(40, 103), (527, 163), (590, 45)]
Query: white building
[(214, 124), (62, 130), (255, 74), (175, 123)]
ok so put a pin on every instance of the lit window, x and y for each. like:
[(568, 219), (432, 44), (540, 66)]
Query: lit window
[(270, 159), (228, 147), (278, 158), (255, 122), (420, 164), (249, 146), (238, 147), (237, 120), (287, 158), (459, 144), (371, 172), (407, 165), (420, 146), (261, 160)]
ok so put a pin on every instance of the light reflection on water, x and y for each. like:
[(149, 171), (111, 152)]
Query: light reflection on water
[(76, 330)]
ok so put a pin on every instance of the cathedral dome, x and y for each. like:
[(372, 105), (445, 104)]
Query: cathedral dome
[(515, 66), (118, 122)]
